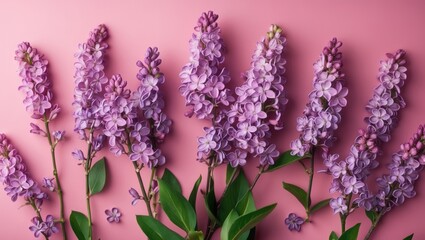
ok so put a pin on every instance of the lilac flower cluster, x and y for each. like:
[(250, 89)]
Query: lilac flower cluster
[(46, 227), (260, 102), (137, 119), (204, 77), (204, 81), (14, 176), (36, 85), (322, 113), (90, 81), (406, 165), (350, 175)]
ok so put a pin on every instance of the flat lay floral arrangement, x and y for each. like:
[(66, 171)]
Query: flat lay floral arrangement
[(239, 125)]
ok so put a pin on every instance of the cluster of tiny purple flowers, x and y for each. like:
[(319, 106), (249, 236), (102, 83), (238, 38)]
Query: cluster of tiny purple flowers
[(90, 81), (14, 176), (204, 78), (36, 85), (137, 120), (322, 113), (350, 175), (260, 102), (204, 82)]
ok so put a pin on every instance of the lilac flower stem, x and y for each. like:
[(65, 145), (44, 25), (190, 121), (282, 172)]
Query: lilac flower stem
[(37, 211), (55, 173), (260, 172), (344, 216), (310, 184), (373, 226), (152, 194), (87, 168), (137, 169)]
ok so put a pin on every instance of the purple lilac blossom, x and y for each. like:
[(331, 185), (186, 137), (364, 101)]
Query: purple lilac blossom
[(350, 175), (398, 185), (90, 81), (113, 215), (261, 101), (36, 85), (17, 183), (14, 175), (46, 228), (294, 222), (204, 77), (204, 81), (322, 113), (136, 119)]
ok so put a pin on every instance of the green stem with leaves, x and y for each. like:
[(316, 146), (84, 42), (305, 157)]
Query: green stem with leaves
[(87, 168), (56, 175), (310, 184)]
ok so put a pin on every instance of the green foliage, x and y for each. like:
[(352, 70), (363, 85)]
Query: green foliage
[(80, 225), (155, 230), (97, 177)]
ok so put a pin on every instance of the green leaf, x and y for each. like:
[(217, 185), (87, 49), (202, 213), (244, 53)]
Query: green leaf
[(285, 159), (177, 208), (245, 222), (231, 217), (246, 204), (80, 225), (211, 204), (298, 192), (97, 177), (194, 193), (234, 193), (316, 207), (372, 215), (155, 230), (171, 180), (410, 237), (196, 235), (333, 236), (351, 234), (251, 235), (230, 172)]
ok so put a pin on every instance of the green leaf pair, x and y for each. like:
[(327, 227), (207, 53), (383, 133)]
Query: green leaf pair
[(285, 159), (301, 195)]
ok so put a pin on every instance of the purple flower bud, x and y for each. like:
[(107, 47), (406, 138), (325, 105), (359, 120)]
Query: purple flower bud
[(133, 192), (37, 130), (58, 135)]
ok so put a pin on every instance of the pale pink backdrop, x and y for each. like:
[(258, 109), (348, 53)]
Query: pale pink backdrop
[(368, 30)]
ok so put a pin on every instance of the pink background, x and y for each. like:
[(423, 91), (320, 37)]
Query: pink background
[(368, 30)]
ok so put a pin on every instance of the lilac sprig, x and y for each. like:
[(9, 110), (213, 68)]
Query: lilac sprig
[(398, 185), (90, 85), (17, 183), (260, 102), (322, 114), (349, 176), (37, 88), (204, 77)]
